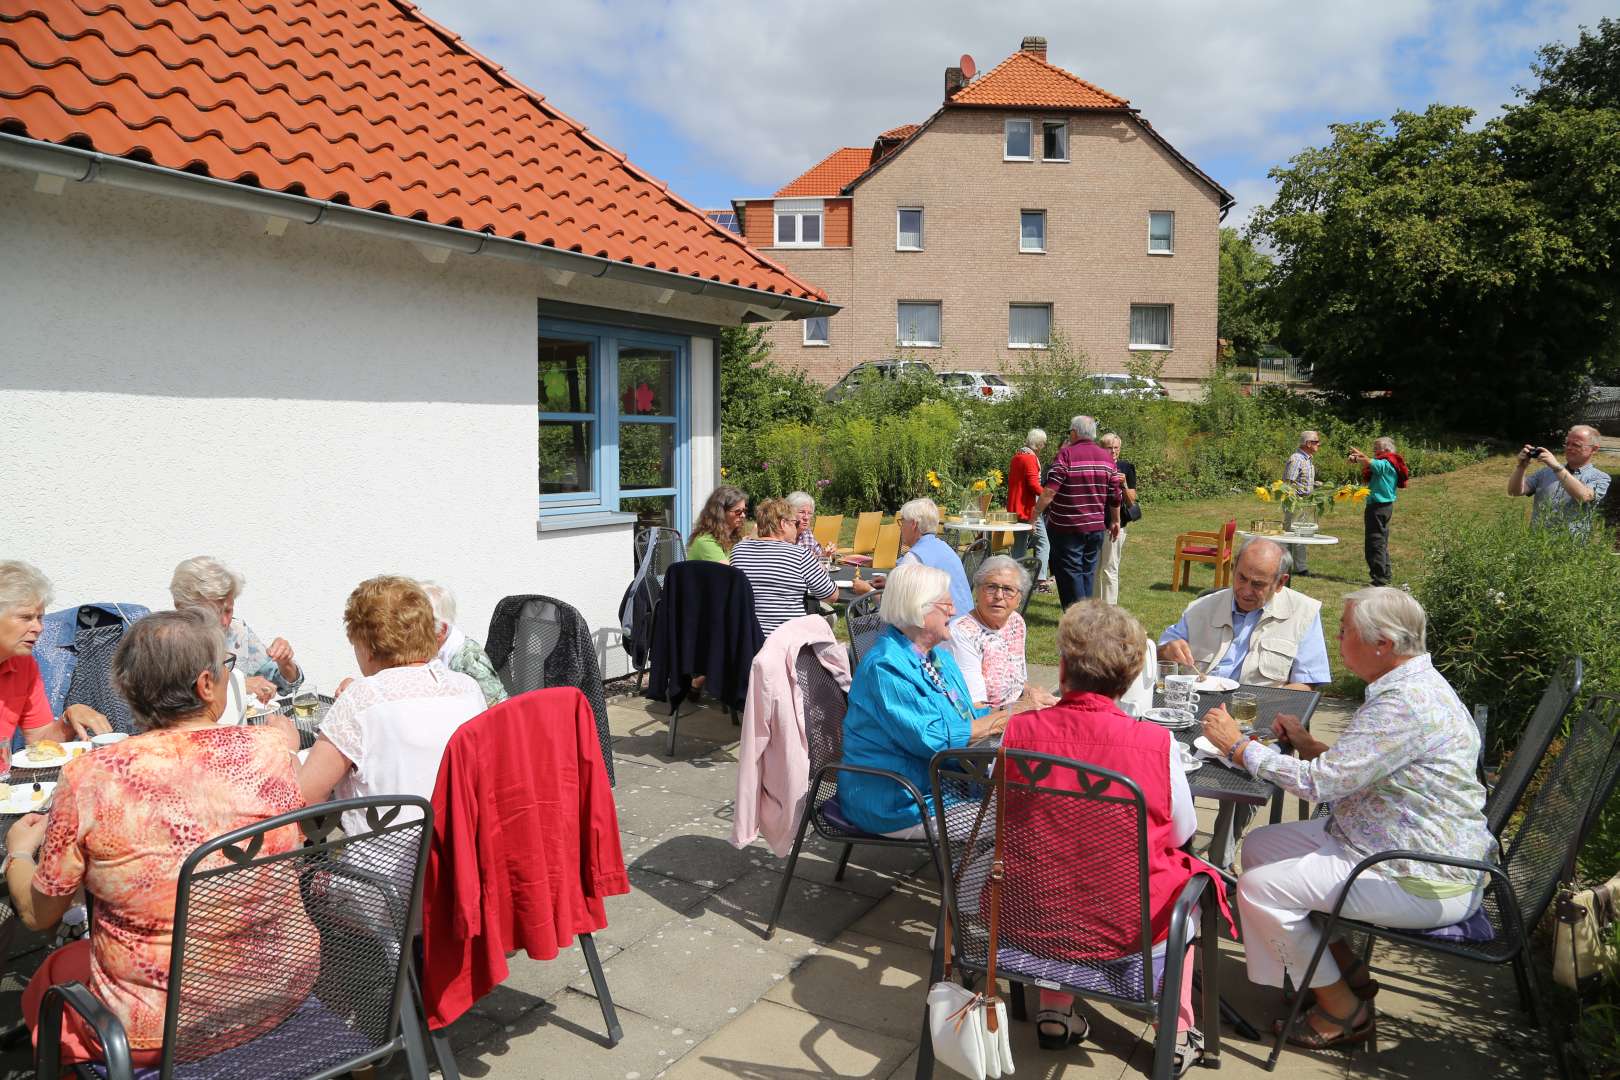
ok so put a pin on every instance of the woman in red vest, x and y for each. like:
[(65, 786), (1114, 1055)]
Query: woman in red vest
[(1091, 912)]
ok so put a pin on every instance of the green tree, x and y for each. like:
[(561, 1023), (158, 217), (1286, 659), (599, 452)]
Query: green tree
[(1241, 319), (755, 396)]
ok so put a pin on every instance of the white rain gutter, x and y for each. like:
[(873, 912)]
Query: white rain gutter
[(88, 166)]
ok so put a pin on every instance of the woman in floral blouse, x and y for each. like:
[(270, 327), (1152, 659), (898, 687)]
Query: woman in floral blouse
[(988, 642), (1401, 776)]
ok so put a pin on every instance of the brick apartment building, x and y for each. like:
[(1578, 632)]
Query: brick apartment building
[(1030, 201)]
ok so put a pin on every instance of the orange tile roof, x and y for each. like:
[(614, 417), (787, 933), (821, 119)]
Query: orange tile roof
[(1025, 80), (363, 102), (904, 131), (828, 176)]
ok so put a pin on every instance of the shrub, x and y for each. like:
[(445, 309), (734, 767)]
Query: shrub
[(1507, 604)]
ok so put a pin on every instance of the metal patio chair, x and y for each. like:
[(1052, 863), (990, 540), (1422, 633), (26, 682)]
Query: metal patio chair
[(972, 556), (538, 630), (1544, 725), (1032, 567), (348, 906), (862, 621)]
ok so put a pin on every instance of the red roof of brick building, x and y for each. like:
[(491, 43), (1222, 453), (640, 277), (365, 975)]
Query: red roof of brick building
[(366, 103), (830, 174), (1025, 80)]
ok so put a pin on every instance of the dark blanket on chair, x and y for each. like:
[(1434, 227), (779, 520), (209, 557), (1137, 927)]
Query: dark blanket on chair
[(705, 626)]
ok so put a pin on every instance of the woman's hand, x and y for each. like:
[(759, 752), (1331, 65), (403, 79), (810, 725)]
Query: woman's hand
[(1038, 697), (282, 654), (1222, 730), (990, 725), (342, 686), (85, 721), (26, 835), (285, 728), (261, 688), (1305, 745), (860, 587)]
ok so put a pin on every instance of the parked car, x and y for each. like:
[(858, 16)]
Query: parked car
[(1132, 386), (983, 383), (873, 370)]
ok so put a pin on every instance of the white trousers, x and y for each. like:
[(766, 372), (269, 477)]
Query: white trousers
[(1294, 868), (1108, 568)]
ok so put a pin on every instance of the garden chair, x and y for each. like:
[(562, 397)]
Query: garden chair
[(863, 625), (887, 551), (1000, 541), (1032, 567), (1214, 548), (972, 556), (866, 536), (356, 900), (666, 547), (827, 528), (704, 625), (1545, 723), (824, 705), (1104, 818), (1521, 885)]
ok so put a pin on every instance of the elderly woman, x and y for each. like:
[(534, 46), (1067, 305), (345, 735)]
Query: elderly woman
[(387, 733), (1095, 915), (988, 642), (205, 581), (1400, 776), (1023, 491), (719, 526), (804, 515), (907, 702), (457, 651), (123, 820), (781, 572), (24, 594)]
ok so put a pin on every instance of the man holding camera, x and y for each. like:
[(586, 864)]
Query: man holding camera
[(1567, 494)]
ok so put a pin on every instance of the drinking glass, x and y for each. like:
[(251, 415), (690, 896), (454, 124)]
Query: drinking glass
[(306, 701), (1166, 668), (1245, 709)]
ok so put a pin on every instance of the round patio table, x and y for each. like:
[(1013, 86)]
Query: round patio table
[(989, 526), (1293, 539)]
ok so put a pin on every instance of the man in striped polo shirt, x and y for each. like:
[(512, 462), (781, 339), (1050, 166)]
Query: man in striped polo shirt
[(1081, 501)]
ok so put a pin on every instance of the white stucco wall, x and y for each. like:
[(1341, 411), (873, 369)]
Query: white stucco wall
[(314, 408)]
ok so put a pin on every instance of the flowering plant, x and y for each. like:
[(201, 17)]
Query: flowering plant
[(972, 490), (1320, 501)]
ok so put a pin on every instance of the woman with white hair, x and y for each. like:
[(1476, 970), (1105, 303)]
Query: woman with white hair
[(804, 515), (907, 702), (458, 651), (1401, 776), (1023, 491), (988, 642), (24, 592), (204, 581)]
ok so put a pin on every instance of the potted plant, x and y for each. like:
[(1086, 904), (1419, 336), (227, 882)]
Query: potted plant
[(1304, 510)]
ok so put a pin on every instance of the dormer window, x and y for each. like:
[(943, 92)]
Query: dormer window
[(798, 222)]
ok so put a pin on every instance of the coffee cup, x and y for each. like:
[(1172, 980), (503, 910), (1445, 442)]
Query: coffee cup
[(107, 738), (1179, 693)]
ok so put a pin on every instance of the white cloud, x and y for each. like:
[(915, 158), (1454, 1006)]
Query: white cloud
[(761, 91)]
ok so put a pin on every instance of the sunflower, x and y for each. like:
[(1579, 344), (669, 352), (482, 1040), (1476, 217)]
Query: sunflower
[(1361, 493), (933, 479), (979, 485), (1279, 486), (1263, 494)]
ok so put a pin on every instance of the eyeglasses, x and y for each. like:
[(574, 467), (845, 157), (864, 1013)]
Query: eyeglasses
[(995, 589), (229, 663)]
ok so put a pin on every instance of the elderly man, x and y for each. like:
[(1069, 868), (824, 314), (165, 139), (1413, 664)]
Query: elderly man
[(1300, 475), (1568, 494), (1130, 510), (918, 520), (1081, 501)]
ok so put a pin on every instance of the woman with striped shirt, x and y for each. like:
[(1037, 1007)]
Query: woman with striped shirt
[(781, 572)]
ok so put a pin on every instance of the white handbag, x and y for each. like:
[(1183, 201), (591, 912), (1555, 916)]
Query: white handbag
[(969, 1030)]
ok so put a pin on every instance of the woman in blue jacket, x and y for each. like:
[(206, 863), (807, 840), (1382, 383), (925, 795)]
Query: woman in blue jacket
[(907, 702)]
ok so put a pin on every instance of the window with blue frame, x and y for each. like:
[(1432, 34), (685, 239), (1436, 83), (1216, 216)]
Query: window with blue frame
[(613, 422)]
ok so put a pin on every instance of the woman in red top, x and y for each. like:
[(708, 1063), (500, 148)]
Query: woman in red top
[(1098, 918), (24, 592), (1023, 488)]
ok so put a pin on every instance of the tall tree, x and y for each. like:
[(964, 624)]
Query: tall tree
[(1240, 316)]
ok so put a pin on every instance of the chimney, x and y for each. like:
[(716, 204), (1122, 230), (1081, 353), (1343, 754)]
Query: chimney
[(954, 81), (1036, 45)]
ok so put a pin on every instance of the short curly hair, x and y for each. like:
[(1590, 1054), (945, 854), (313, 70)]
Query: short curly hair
[(769, 515), (393, 618), (1101, 648)]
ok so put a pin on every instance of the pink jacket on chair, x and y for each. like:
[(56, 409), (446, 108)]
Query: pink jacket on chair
[(773, 762)]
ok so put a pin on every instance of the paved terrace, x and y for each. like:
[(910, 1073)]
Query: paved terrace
[(838, 992)]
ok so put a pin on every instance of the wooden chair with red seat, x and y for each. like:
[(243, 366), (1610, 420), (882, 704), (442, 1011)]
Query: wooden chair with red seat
[(1214, 548)]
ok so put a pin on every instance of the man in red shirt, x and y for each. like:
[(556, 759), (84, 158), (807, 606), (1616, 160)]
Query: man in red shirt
[(1081, 502), (24, 592)]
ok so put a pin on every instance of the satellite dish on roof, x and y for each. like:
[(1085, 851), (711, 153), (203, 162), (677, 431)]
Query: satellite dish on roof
[(969, 68)]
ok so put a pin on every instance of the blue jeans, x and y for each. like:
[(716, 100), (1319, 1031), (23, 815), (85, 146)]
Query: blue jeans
[(1074, 563), (1036, 538)]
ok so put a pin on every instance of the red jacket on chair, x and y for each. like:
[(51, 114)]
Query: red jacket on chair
[(525, 845)]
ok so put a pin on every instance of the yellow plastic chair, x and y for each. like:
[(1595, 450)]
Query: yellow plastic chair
[(827, 528), (887, 551), (1000, 541), (866, 532)]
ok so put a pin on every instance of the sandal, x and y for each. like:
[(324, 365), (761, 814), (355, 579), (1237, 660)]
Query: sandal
[(1359, 1026), (1361, 984), (1189, 1051), (1057, 1030)]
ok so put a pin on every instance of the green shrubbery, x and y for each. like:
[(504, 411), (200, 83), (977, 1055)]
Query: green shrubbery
[(1507, 605), (874, 449)]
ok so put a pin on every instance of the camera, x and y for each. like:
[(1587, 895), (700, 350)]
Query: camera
[(1537, 451)]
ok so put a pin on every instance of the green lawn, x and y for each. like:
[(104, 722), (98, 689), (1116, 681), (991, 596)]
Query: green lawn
[(1335, 571)]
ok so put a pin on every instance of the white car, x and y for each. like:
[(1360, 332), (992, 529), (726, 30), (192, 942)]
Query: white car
[(983, 383), (1119, 384)]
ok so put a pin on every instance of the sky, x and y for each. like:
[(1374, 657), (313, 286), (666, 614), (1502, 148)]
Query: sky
[(723, 99)]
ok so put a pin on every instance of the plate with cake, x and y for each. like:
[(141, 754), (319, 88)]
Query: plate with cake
[(20, 797), (47, 754)]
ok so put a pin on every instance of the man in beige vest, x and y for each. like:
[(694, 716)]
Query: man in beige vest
[(1259, 631)]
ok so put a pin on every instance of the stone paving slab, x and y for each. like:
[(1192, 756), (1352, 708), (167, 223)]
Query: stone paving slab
[(774, 1042)]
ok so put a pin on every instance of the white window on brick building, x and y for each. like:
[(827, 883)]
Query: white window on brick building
[(798, 222), (1150, 326), (1161, 232), (1029, 326), (908, 228), (1032, 230), (1019, 140), (1054, 140), (917, 323), (815, 330)]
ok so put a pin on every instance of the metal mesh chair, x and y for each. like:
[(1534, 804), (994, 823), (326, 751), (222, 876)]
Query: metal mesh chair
[(1032, 567), (973, 555), (538, 630), (665, 546), (541, 625), (862, 621), (824, 705), (1074, 856), (1610, 779), (330, 920), (1538, 734), (1520, 887)]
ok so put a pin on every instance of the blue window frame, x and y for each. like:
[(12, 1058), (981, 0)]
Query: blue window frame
[(613, 421)]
